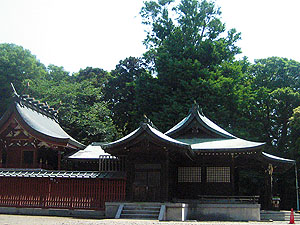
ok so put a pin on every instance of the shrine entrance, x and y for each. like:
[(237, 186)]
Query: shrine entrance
[(146, 185)]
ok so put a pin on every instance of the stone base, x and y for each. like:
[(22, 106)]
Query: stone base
[(198, 211), (52, 212), (224, 212), (173, 211)]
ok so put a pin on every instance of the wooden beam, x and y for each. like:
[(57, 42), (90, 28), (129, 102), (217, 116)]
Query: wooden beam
[(8, 123)]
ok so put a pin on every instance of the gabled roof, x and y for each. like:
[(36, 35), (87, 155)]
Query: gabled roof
[(145, 131), (91, 152), (196, 114), (218, 140), (152, 132), (39, 120)]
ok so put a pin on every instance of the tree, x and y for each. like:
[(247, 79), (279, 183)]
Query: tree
[(83, 113), (121, 93), (189, 51), (96, 76), (294, 126), (194, 33), (16, 65), (275, 85)]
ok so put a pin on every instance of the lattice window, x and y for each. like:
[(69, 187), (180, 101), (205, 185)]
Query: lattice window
[(189, 174), (218, 174)]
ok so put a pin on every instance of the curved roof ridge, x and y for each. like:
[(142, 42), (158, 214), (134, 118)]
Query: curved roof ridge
[(196, 112), (38, 124), (152, 132), (41, 107), (44, 125), (214, 127)]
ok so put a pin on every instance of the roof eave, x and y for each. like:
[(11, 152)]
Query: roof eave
[(230, 150), (62, 142)]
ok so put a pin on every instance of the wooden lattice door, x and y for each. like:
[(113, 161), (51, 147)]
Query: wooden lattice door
[(146, 185)]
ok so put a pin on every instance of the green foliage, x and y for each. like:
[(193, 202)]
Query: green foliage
[(121, 93), (275, 85), (294, 126), (16, 65), (83, 112), (189, 30), (192, 59)]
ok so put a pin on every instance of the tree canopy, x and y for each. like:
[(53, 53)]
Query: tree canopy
[(16, 65)]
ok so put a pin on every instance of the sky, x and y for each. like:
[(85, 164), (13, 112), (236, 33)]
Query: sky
[(76, 34)]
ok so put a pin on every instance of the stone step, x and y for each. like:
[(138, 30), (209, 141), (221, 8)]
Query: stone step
[(278, 215), (139, 216), (141, 207), (140, 211)]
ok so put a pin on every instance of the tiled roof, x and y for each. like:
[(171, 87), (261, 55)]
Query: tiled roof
[(40, 121), (36, 105), (59, 174)]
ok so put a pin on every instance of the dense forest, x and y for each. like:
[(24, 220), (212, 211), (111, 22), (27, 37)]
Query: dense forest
[(191, 56)]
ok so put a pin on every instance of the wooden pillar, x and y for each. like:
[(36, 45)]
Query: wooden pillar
[(236, 181), (130, 179), (1, 150), (58, 159), (167, 178), (35, 162), (232, 174), (268, 187)]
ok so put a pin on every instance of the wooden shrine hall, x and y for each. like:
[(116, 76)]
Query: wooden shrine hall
[(195, 159), (32, 145), (31, 137)]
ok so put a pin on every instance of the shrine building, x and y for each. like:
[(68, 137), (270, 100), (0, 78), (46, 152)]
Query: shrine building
[(31, 137), (190, 172), (196, 161)]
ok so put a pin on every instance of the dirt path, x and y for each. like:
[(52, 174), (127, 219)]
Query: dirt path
[(45, 220)]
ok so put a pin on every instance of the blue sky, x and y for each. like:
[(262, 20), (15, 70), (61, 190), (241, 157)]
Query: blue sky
[(99, 33)]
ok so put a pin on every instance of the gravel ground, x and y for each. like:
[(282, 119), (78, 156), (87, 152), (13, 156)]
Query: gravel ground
[(44, 220)]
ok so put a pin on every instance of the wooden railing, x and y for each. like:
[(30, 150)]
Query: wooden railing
[(66, 193), (108, 163)]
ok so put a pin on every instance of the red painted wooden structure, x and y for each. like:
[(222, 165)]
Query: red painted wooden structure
[(63, 193), (31, 137)]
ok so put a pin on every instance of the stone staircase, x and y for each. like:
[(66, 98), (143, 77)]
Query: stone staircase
[(266, 215), (147, 211)]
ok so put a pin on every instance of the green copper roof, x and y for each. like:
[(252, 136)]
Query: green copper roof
[(203, 122)]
